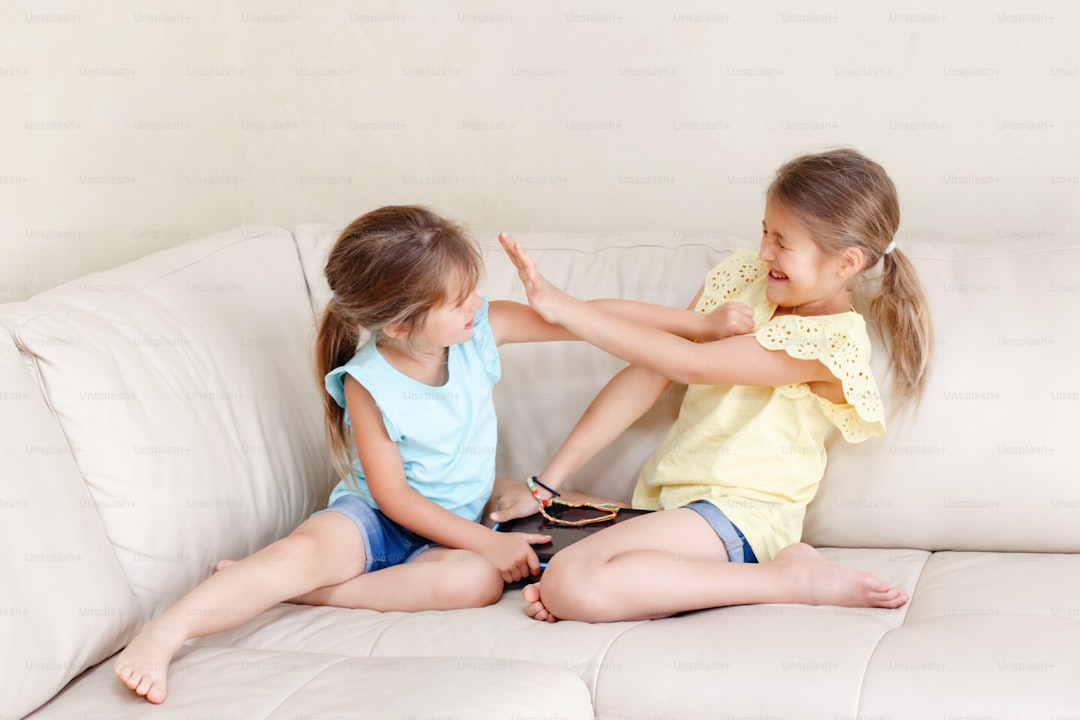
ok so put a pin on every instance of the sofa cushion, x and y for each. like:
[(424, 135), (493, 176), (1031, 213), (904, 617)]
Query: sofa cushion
[(291, 685), (183, 383), (988, 460), (64, 603), (987, 635), (1018, 610)]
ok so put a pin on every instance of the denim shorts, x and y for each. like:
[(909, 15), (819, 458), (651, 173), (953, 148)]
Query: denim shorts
[(385, 542), (738, 549)]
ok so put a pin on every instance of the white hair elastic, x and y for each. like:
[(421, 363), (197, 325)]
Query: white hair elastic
[(890, 247)]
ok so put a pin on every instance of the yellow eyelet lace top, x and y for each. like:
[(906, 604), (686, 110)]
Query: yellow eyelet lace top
[(758, 453)]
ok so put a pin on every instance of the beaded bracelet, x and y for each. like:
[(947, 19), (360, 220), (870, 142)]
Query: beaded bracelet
[(608, 510), (536, 481)]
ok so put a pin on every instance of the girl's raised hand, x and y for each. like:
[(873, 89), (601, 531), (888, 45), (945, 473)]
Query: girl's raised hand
[(543, 296)]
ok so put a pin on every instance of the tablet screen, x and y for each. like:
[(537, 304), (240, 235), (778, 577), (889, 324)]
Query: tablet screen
[(563, 535)]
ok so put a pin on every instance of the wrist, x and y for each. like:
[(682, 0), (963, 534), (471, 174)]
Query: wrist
[(541, 490), (702, 328)]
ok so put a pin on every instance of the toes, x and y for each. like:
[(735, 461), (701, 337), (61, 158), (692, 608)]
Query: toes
[(891, 598), (144, 686), (531, 593), (156, 694)]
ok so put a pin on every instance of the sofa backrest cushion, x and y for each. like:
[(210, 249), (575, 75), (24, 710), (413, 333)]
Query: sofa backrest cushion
[(987, 461), (183, 385), (64, 602)]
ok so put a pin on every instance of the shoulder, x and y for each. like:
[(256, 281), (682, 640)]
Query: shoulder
[(482, 345), (739, 277), (841, 343), (358, 368), (835, 340)]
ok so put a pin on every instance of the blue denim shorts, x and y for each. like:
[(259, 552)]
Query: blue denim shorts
[(738, 549), (385, 542)]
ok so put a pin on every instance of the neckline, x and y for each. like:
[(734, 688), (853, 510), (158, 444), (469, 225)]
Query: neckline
[(450, 372)]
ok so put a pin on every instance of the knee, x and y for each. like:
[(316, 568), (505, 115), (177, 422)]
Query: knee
[(476, 582), (570, 591), (309, 554)]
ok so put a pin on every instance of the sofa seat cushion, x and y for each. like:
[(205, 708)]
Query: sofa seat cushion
[(1017, 610), (218, 682)]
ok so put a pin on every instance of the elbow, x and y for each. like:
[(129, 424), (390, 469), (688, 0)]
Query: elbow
[(691, 371), (392, 504)]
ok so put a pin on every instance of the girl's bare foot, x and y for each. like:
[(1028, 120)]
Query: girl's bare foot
[(144, 663), (535, 606), (826, 583)]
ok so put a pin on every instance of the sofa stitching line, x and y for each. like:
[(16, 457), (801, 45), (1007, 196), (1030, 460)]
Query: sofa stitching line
[(338, 659), (603, 657), (94, 308), (881, 638)]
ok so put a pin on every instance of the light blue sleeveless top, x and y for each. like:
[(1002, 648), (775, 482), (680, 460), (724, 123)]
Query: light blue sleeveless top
[(446, 435)]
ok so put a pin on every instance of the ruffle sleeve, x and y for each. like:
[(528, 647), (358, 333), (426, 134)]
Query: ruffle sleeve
[(840, 343), (739, 277), (483, 342)]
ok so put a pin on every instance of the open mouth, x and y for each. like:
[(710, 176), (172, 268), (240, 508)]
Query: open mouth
[(777, 275)]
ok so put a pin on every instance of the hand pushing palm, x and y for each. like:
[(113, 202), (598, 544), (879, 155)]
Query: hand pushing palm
[(543, 296)]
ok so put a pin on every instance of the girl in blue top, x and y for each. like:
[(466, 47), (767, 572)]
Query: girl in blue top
[(415, 395)]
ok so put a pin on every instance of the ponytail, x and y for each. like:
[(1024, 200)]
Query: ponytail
[(900, 313), (335, 345), (847, 200)]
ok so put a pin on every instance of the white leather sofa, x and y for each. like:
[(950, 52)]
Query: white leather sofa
[(163, 415)]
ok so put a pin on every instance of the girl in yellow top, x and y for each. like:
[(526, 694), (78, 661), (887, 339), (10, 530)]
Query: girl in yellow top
[(746, 454)]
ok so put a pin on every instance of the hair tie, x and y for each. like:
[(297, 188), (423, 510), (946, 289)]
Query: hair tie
[(890, 247), (336, 298)]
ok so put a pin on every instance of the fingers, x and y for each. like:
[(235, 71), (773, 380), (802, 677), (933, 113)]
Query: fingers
[(521, 259), (511, 247), (512, 508), (537, 539)]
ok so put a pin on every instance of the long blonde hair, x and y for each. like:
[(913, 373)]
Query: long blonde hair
[(847, 200), (390, 266)]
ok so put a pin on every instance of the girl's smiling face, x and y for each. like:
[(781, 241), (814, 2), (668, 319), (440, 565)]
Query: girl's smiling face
[(801, 276)]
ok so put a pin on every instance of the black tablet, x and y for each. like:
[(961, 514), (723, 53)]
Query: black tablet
[(563, 535)]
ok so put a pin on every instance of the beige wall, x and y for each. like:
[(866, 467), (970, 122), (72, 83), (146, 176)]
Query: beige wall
[(128, 127)]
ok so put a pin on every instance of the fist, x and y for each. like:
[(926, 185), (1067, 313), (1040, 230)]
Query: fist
[(730, 318)]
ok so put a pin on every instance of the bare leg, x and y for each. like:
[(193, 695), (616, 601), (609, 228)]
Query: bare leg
[(600, 578), (437, 579), (324, 550)]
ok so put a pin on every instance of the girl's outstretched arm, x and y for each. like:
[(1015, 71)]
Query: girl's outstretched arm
[(513, 322), (738, 360)]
